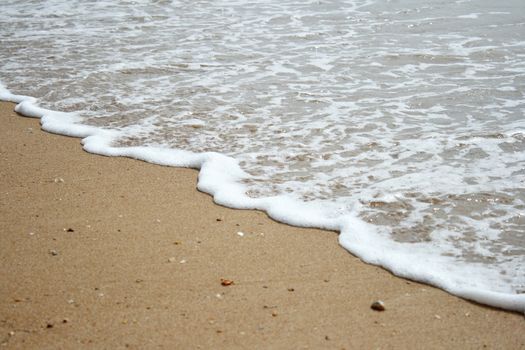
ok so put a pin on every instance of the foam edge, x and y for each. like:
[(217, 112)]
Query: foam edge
[(221, 176)]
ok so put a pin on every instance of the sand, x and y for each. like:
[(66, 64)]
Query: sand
[(112, 253)]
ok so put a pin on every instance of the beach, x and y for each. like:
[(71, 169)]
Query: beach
[(100, 252)]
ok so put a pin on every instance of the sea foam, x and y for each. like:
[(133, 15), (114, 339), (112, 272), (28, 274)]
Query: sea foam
[(220, 176)]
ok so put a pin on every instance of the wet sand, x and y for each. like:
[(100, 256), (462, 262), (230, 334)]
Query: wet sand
[(100, 252)]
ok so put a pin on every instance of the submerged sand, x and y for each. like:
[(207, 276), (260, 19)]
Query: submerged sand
[(100, 252)]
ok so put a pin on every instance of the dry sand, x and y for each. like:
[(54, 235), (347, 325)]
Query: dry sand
[(111, 253)]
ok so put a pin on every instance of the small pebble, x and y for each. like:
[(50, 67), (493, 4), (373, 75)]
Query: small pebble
[(70, 230), (226, 282), (183, 261), (172, 259), (274, 313), (291, 289), (378, 305), (240, 234), (49, 325), (53, 252)]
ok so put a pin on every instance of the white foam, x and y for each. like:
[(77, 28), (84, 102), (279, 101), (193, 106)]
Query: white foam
[(470, 16), (220, 176)]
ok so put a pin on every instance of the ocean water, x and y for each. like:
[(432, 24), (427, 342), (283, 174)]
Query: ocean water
[(400, 124)]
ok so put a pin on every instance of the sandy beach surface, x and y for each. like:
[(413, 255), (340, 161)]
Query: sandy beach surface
[(116, 253)]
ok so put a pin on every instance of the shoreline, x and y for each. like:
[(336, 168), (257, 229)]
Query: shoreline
[(143, 263)]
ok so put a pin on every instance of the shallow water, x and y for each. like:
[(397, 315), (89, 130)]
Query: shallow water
[(408, 115)]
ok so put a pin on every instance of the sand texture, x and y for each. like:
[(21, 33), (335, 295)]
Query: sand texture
[(116, 253)]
